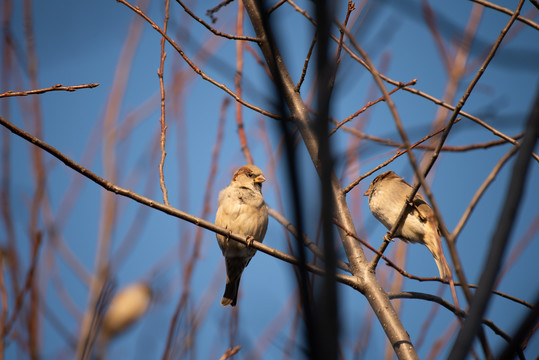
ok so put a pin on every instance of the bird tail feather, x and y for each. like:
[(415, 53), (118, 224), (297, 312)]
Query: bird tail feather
[(230, 295)]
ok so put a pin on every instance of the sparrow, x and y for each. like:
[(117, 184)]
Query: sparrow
[(241, 209), (126, 307), (387, 195)]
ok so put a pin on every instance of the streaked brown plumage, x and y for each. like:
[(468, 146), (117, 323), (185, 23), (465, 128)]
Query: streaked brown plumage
[(387, 195), (242, 210)]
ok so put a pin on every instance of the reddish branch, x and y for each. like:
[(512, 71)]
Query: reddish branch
[(237, 85), (27, 285), (107, 185), (192, 65), (216, 32), (57, 87), (509, 12), (306, 64), (230, 352), (420, 278), (387, 162), (216, 8), (415, 91), (162, 118), (369, 104), (351, 7)]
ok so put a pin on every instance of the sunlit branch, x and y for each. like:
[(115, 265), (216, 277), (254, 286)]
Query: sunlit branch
[(57, 87), (107, 185), (368, 105), (306, 241), (162, 118), (490, 178), (194, 67), (508, 12), (306, 63), (216, 32), (458, 312)]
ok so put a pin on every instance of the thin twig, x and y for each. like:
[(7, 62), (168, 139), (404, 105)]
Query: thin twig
[(105, 295), (304, 238), (437, 101), (422, 279), (216, 8), (237, 87), (230, 352), (368, 105), (458, 312), (413, 90), (430, 19), (107, 185), (490, 178), (57, 87), (508, 12), (3, 298), (216, 32), (258, 60), (385, 163), (446, 148), (27, 285), (351, 7), (526, 239), (306, 63), (402, 133), (499, 239), (275, 7), (162, 118), (194, 67), (450, 243)]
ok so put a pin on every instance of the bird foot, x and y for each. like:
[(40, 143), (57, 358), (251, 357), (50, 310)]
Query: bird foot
[(250, 240), (387, 238)]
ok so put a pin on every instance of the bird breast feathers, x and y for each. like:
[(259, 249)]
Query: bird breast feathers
[(248, 216), (386, 212)]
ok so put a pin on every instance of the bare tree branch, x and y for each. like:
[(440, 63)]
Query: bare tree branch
[(107, 185), (378, 299), (501, 234), (508, 12), (57, 87), (193, 66), (458, 312), (162, 118), (216, 32)]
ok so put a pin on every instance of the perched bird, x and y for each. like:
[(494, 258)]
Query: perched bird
[(387, 195), (242, 210), (126, 307)]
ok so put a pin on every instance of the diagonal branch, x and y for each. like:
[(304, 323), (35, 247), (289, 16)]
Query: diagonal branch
[(378, 299), (193, 66), (508, 12), (107, 185), (306, 241), (216, 32), (458, 312), (501, 234), (57, 87)]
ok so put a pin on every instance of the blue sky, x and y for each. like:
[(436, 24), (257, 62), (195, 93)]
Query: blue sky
[(81, 42)]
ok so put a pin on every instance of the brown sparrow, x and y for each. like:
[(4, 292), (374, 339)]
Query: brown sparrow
[(387, 195), (242, 210), (126, 307)]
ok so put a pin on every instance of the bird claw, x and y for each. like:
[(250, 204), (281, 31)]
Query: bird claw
[(250, 240), (387, 238)]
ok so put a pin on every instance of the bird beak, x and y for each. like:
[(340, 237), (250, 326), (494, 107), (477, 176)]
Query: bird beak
[(368, 192), (260, 179)]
